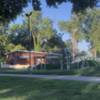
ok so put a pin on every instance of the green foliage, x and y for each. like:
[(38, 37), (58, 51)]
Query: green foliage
[(3, 44), (84, 64), (41, 28), (10, 9), (55, 43), (11, 47), (73, 26), (92, 29), (4, 41), (78, 5), (19, 34), (43, 36)]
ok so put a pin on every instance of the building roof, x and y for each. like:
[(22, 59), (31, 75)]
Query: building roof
[(25, 51)]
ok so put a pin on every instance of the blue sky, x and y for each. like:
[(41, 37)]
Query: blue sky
[(61, 13)]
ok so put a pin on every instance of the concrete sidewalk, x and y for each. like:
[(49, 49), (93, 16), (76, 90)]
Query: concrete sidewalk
[(56, 77)]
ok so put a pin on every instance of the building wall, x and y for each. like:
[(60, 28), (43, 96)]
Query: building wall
[(26, 58)]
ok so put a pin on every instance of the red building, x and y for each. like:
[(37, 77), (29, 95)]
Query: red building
[(24, 59)]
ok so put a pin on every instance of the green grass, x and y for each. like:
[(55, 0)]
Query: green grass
[(42, 89)]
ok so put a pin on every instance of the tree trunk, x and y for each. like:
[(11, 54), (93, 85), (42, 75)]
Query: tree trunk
[(38, 43), (94, 52), (74, 45), (34, 42)]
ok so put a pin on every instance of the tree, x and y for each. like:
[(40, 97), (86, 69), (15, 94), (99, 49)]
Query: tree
[(41, 31), (55, 42), (6, 43), (10, 9), (73, 27), (78, 5), (41, 28), (91, 29), (43, 36), (19, 34), (3, 44)]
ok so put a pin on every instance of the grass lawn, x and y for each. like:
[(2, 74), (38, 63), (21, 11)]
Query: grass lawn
[(43, 89)]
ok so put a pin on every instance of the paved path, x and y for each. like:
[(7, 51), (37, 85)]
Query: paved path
[(57, 77)]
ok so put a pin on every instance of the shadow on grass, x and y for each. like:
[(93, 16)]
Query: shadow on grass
[(43, 89)]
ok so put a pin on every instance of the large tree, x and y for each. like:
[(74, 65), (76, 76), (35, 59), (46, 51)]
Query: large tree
[(41, 29), (73, 26), (6, 43), (9, 9), (91, 29), (18, 34)]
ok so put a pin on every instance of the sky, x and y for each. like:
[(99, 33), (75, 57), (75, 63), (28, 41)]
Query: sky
[(61, 13)]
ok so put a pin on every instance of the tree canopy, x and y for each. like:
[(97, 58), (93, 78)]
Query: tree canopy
[(78, 5), (92, 28), (9, 9), (73, 26), (41, 30)]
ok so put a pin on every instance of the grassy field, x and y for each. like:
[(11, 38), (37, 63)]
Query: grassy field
[(42, 89)]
